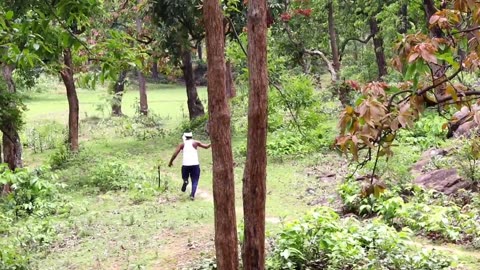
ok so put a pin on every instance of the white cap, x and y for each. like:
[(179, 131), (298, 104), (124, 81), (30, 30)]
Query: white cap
[(188, 134)]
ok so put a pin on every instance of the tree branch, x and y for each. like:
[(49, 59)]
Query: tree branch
[(346, 41), (329, 63), (428, 88)]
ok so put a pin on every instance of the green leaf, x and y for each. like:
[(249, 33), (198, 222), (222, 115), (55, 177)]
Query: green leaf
[(411, 70), (9, 15)]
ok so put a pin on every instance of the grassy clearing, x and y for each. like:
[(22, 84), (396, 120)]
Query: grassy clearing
[(109, 230)]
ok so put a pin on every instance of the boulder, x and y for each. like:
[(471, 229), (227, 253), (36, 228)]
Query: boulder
[(443, 180)]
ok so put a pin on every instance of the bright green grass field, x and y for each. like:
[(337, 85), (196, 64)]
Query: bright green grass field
[(168, 101)]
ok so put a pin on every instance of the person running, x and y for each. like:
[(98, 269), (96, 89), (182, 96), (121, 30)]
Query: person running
[(190, 164)]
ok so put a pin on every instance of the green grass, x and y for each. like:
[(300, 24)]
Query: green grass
[(168, 101), (109, 230)]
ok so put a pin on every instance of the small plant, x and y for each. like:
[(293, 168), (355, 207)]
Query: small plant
[(60, 156), (470, 160), (11, 259), (46, 136)]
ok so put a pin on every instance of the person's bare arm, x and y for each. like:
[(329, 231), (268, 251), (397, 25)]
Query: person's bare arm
[(202, 145), (175, 154)]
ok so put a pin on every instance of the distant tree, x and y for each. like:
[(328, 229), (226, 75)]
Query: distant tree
[(181, 21)]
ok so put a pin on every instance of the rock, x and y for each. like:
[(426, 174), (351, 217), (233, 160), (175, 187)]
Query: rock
[(427, 156), (443, 180), (465, 130)]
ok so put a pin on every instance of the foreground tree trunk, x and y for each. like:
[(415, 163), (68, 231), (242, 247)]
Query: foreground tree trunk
[(378, 46), (195, 107), (254, 178), (118, 90), (12, 147), (73, 107), (333, 37), (226, 244)]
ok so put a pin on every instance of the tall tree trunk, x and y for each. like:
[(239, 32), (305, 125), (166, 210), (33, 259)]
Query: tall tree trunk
[(404, 25), (73, 107), (118, 90), (378, 46), (333, 37), (12, 147), (226, 243), (254, 178), (230, 84), (155, 74), (142, 85), (195, 107)]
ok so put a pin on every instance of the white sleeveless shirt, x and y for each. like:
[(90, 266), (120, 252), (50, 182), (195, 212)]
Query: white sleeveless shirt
[(190, 154)]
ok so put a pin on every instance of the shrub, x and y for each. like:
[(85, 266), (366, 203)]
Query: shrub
[(322, 241), (33, 192), (110, 175)]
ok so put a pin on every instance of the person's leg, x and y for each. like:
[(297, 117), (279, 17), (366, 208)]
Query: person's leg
[(185, 173), (195, 174)]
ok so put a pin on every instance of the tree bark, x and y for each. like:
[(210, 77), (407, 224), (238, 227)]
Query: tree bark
[(254, 178), (226, 243), (404, 25), (195, 107), (118, 90), (155, 73), (378, 46), (230, 85), (12, 147), (142, 85), (200, 50), (430, 9), (333, 37), (73, 107)]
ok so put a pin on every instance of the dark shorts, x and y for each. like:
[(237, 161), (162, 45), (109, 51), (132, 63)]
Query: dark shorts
[(191, 171)]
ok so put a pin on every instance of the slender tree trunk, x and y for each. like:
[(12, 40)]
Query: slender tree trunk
[(378, 46), (226, 243), (195, 107), (12, 147), (118, 90), (254, 178), (73, 107), (200, 50), (333, 37), (142, 85), (404, 25), (155, 74), (430, 9), (230, 84)]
